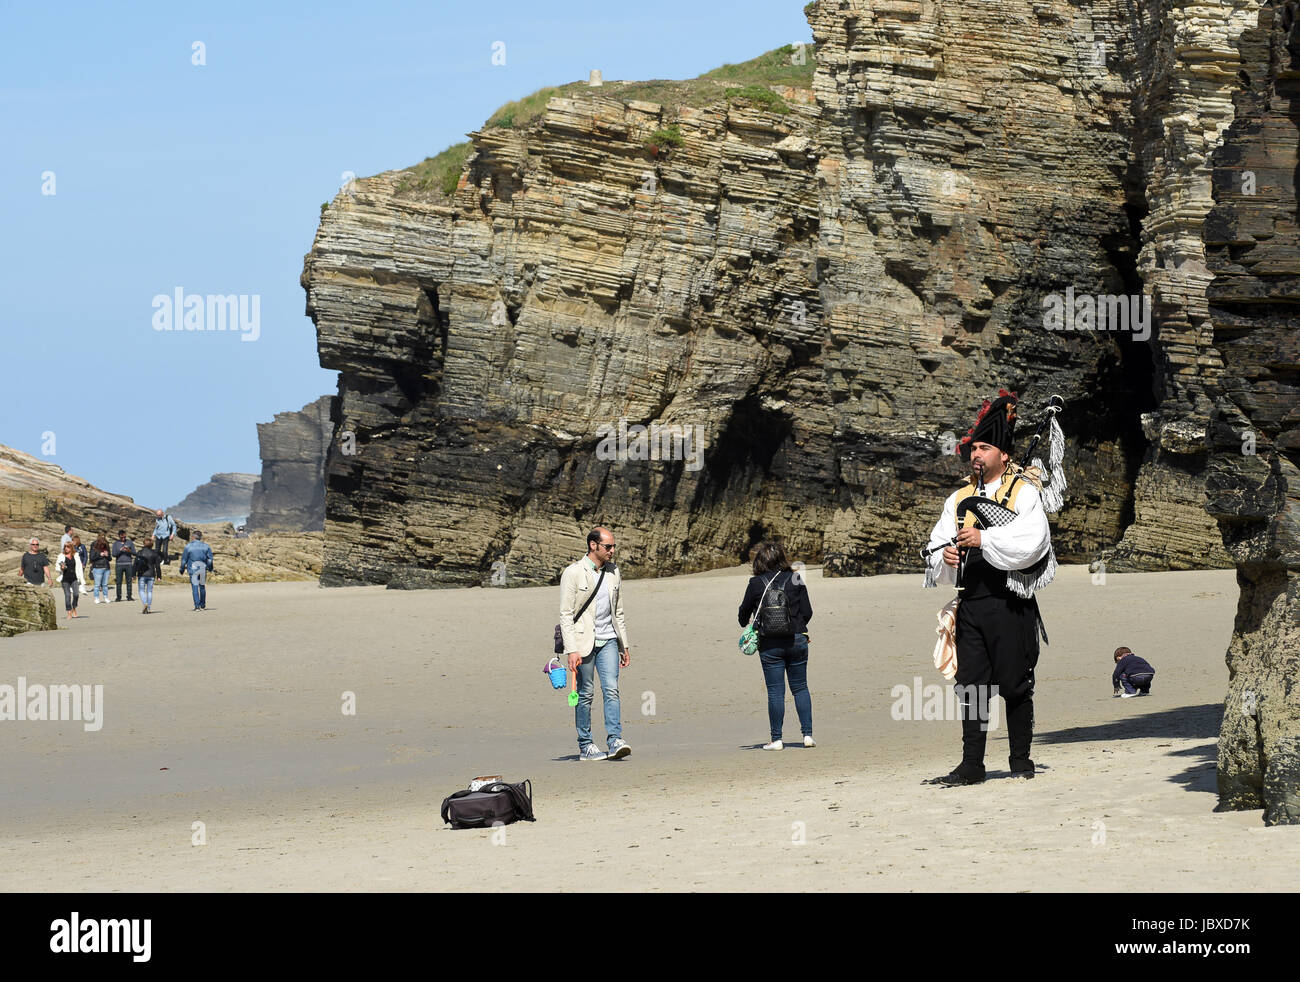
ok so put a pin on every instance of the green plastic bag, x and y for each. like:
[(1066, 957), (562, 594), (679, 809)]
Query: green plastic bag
[(749, 637)]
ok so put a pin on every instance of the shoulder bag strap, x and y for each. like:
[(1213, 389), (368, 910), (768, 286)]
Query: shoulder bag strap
[(583, 609), (764, 596)]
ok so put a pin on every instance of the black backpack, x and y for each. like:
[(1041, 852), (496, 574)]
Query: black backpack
[(774, 618), (489, 806)]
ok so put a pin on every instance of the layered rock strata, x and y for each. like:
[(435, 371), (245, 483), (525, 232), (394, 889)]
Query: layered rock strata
[(290, 495), (823, 295), (1253, 247)]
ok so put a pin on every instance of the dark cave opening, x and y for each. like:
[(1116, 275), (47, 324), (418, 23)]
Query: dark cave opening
[(756, 535), (1131, 387), (752, 438)]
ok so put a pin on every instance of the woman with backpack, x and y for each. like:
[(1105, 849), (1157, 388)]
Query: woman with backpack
[(778, 601), (147, 567)]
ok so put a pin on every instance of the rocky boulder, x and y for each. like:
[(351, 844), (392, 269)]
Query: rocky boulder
[(24, 607)]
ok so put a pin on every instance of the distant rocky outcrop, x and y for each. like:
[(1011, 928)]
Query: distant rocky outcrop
[(825, 276), (290, 495), (1253, 244), (225, 497)]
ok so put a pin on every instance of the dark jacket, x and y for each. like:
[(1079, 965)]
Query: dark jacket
[(124, 552), (148, 562), (1133, 667), (101, 560), (796, 593)]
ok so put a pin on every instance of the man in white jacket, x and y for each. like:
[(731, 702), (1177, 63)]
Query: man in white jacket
[(998, 623), (595, 638)]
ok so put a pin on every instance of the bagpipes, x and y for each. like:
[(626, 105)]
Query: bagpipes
[(1050, 482)]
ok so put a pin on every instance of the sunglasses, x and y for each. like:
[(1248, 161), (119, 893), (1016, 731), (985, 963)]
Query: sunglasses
[(609, 546)]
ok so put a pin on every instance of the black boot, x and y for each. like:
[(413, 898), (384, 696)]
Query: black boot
[(1020, 734), (962, 774), (973, 739)]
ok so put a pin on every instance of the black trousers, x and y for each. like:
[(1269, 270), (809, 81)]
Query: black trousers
[(997, 645), (124, 571), (162, 548)]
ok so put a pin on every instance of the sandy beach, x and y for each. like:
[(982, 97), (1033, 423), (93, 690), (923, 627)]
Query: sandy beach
[(233, 718)]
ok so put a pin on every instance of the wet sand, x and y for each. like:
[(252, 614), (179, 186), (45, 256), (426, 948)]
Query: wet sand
[(233, 718)]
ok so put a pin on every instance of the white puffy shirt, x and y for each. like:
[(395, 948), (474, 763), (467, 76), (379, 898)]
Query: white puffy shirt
[(1016, 546)]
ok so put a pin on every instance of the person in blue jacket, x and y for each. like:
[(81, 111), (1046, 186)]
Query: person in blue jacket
[(163, 530), (197, 561), (1133, 673)]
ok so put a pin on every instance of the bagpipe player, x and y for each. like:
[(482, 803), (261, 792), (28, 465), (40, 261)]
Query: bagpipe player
[(997, 571)]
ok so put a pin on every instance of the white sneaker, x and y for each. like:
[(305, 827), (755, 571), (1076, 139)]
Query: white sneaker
[(1128, 695), (809, 742), (96, 601), (108, 600), (774, 745)]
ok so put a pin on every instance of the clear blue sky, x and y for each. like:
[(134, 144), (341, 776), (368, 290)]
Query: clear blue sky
[(210, 178)]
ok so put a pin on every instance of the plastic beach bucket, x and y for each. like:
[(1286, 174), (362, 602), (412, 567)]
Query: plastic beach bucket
[(559, 677)]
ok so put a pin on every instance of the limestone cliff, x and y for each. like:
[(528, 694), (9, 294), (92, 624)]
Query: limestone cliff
[(824, 276), (290, 495), (1253, 243)]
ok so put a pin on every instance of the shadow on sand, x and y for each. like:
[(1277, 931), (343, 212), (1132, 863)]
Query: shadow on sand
[(1184, 723)]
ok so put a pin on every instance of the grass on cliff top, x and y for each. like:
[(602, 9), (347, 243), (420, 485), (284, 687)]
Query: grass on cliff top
[(747, 81)]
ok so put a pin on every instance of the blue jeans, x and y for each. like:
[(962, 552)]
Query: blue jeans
[(100, 577), (144, 585), (199, 584), (782, 658), (1136, 683), (603, 660)]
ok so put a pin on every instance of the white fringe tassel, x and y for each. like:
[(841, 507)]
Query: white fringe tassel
[(1023, 582), (1053, 475)]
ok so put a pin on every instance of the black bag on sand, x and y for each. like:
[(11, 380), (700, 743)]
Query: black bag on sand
[(495, 804)]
